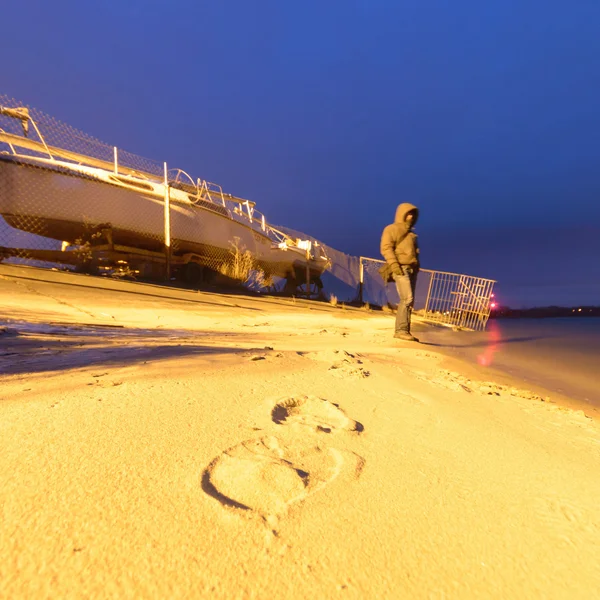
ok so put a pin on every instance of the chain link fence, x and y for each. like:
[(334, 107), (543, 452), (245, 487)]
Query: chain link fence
[(451, 299), (70, 201)]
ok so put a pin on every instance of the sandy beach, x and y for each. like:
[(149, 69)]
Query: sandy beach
[(174, 444)]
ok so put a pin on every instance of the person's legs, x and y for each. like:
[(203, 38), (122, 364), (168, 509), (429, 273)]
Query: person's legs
[(413, 286), (405, 285)]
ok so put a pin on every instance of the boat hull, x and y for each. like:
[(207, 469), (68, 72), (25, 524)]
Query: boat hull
[(75, 207)]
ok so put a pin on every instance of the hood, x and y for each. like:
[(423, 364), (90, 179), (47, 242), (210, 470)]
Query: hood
[(403, 209)]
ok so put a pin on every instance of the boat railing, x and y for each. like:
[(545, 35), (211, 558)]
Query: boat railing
[(176, 181), (30, 148), (61, 142), (246, 213), (21, 114), (3, 134), (239, 209), (243, 211)]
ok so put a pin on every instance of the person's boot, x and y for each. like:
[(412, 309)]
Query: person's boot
[(404, 335)]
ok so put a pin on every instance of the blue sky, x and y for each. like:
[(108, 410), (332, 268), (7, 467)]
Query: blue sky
[(328, 114)]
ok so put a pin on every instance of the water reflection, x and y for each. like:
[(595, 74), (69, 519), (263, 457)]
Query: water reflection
[(494, 339)]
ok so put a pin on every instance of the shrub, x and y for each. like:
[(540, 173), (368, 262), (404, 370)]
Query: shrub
[(240, 263)]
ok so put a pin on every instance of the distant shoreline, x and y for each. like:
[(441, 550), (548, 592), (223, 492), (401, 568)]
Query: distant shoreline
[(546, 312)]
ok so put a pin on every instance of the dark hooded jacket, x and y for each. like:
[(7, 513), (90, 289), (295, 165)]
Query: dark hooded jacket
[(399, 243)]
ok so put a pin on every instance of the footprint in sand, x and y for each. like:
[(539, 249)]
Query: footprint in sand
[(344, 370), (488, 388), (570, 523), (451, 380), (265, 476), (261, 354), (333, 355), (315, 413), (445, 380), (343, 363)]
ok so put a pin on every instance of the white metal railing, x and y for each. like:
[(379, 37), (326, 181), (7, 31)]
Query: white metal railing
[(451, 299)]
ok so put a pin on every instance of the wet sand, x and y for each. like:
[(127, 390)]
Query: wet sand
[(559, 356)]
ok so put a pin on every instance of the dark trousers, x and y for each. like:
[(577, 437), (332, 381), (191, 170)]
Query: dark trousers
[(405, 284)]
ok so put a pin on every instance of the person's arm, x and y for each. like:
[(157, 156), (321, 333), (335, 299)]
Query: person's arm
[(388, 250), (418, 252)]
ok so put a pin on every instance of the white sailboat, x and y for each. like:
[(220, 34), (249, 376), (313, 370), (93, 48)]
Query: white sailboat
[(61, 194)]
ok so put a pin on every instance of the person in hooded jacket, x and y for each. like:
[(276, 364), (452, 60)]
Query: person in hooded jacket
[(400, 249)]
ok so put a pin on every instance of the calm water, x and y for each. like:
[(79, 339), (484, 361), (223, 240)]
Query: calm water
[(562, 355)]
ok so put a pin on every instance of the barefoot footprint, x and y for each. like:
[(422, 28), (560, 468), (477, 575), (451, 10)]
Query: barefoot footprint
[(264, 476), (313, 412)]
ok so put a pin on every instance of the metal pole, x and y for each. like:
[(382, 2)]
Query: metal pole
[(167, 227), (461, 297), (361, 278), (116, 159), (429, 293), (307, 271)]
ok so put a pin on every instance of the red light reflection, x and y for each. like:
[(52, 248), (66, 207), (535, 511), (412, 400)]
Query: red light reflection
[(494, 340)]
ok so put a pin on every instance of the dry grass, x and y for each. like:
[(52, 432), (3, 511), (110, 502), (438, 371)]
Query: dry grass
[(124, 271), (240, 264), (83, 244), (242, 267), (260, 282)]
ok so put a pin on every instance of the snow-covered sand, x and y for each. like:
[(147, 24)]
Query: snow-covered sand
[(172, 444)]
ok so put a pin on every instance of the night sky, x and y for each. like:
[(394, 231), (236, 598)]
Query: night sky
[(329, 113)]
